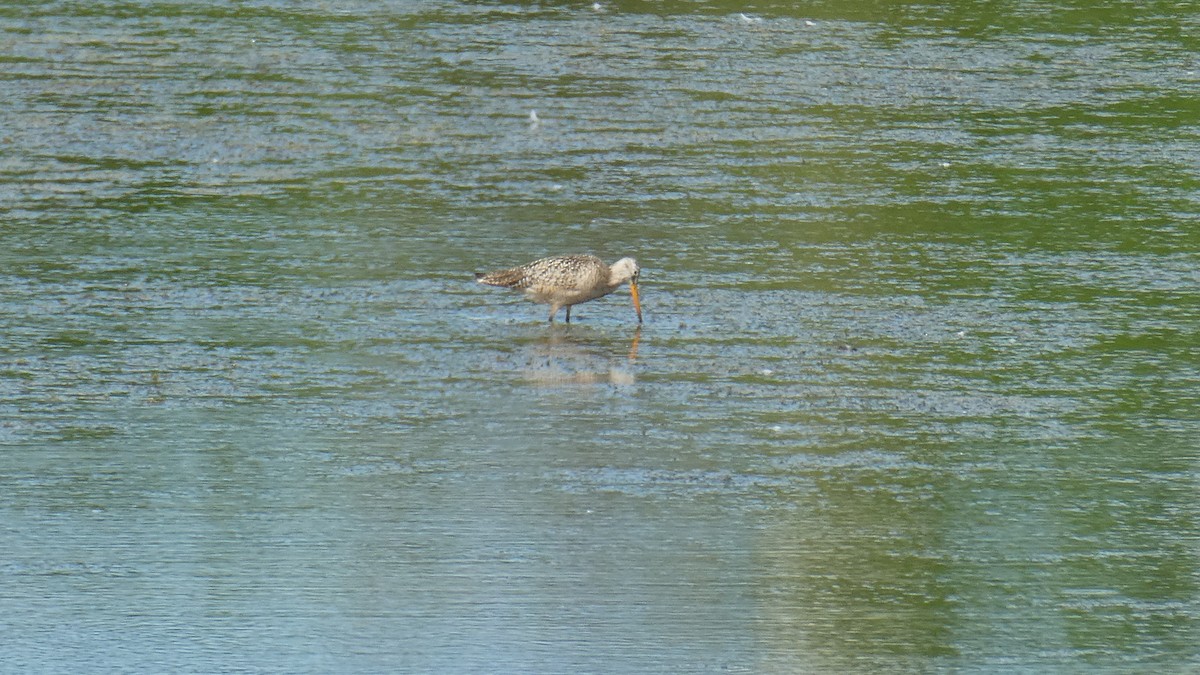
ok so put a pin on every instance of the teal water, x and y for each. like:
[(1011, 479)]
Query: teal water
[(916, 391)]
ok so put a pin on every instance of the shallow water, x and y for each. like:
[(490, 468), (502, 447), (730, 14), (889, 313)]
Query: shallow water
[(916, 391)]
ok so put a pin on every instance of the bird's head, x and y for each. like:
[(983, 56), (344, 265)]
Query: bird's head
[(626, 269)]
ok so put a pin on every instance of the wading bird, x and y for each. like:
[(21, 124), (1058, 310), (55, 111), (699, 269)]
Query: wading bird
[(567, 280)]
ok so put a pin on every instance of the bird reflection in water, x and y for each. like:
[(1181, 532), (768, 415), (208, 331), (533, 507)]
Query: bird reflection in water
[(571, 357)]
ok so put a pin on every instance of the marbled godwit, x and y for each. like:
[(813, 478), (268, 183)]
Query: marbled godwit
[(567, 280)]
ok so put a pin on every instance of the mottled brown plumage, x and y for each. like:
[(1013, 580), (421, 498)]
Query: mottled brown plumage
[(567, 280)]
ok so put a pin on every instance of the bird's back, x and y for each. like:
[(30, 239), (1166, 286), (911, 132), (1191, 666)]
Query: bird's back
[(565, 272)]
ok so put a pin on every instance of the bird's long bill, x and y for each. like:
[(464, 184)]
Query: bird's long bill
[(637, 302)]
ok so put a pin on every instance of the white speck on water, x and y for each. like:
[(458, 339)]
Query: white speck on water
[(749, 19), (766, 372), (809, 23)]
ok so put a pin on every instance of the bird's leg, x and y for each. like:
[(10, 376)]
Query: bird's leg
[(553, 311), (568, 314)]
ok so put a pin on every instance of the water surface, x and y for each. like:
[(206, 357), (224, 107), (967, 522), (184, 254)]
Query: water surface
[(917, 388)]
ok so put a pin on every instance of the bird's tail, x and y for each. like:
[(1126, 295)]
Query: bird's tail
[(503, 278)]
